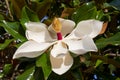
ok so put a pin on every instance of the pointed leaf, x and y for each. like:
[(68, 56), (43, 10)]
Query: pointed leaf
[(5, 44), (98, 62), (86, 11), (103, 42), (11, 31), (14, 25), (28, 15), (43, 61)]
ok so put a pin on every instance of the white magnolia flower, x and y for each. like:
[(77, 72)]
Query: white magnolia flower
[(63, 37)]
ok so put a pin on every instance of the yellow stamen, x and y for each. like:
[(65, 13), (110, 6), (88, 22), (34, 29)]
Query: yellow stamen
[(56, 25)]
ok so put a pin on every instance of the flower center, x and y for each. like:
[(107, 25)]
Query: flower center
[(57, 28)]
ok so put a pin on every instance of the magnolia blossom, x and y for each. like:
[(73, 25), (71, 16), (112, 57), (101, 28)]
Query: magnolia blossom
[(61, 37)]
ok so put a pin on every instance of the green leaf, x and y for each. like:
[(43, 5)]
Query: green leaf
[(38, 75), (43, 61), (86, 11), (103, 42), (28, 15), (5, 44), (28, 74), (99, 15), (98, 62), (11, 31), (7, 68), (14, 25), (17, 27)]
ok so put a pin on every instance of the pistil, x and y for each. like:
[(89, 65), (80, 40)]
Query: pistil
[(57, 28)]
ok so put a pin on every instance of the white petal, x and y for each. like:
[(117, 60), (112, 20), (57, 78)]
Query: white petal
[(31, 49), (88, 27), (59, 49), (38, 32), (67, 27), (35, 26), (61, 65), (61, 60), (81, 46), (42, 36)]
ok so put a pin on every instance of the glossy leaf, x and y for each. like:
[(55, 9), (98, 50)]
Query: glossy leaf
[(86, 11), (5, 44), (11, 31), (28, 74), (17, 27), (28, 15), (43, 61), (103, 42), (14, 25)]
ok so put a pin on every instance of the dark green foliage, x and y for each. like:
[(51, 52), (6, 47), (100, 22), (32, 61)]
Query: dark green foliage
[(101, 65), (103, 42)]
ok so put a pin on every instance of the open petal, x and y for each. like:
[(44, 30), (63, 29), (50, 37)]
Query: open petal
[(88, 27), (60, 58), (61, 65), (31, 49), (59, 49), (35, 26), (38, 32), (67, 27), (81, 46)]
